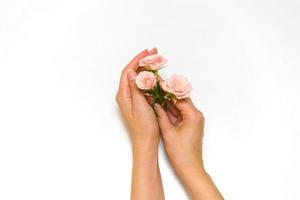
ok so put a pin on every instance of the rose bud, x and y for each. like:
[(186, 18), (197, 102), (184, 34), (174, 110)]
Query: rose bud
[(145, 80)]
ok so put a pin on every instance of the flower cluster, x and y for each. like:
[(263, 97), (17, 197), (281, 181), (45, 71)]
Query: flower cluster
[(148, 80)]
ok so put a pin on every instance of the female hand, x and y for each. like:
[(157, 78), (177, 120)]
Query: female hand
[(137, 114), (182, 130), (143, 128)]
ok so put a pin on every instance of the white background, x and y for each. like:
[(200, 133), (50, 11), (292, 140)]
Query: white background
[(60, 133)]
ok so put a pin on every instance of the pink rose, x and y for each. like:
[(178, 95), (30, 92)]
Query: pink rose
[(177, 85), (145, 80), (153, 62)]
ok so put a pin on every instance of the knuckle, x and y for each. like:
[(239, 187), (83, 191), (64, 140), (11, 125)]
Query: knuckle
[(198, 116)]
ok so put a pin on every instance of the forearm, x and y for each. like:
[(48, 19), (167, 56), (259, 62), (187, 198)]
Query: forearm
[(146, 180), (197, 182)]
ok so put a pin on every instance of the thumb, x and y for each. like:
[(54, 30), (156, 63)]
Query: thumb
[(163, 120)]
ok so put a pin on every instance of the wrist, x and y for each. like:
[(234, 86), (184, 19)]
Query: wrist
[(145, 152), (190, 172), (189, 164), (145, 146)]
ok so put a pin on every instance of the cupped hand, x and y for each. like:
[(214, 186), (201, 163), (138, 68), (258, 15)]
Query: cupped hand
[(137, 114)]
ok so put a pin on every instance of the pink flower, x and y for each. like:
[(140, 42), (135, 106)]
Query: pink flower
[(177, 85), (153, 62), (145, 80)]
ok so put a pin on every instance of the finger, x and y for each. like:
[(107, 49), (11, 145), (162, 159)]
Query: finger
[(134, 63), (172, 118), (137, 96), (124, 91), (179, 118), (186, 107), (149, 99), (173, 109), (163, 120), (153, 51)]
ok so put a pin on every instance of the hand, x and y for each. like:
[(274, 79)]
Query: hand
[(138, 115), (182, 130), (143, 128)]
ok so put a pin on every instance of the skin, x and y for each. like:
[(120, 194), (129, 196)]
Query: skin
[(182, 131), (181, 127), (143, 129)]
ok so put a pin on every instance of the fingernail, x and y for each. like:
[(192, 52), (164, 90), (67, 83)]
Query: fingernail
[(153, 49), (131, 74)]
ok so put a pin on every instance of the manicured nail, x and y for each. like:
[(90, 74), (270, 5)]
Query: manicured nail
[(131, 74)]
